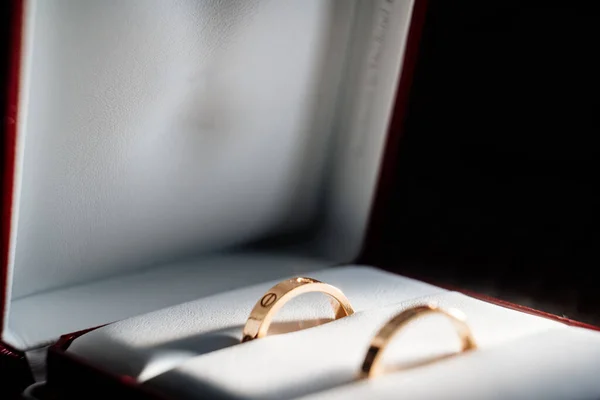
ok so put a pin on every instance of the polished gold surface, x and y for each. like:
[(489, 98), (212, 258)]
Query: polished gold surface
[(264, 310), (371, 366)]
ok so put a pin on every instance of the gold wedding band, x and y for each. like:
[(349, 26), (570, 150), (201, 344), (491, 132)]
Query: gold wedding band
[(264, 310), (371, 366)]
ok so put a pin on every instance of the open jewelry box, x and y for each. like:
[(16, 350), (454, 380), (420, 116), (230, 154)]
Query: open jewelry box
[(169, 161)]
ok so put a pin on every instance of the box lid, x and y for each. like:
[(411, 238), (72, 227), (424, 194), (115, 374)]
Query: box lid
[(152, 148)]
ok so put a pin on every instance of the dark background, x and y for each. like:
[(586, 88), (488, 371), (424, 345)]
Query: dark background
[(496, 180)]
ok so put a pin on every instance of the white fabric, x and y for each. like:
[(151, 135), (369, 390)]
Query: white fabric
[(558, 364), (366, 104), (42, 318), (156, 130), (330, 355), (144, 346)]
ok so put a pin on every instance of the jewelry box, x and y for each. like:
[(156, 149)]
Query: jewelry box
[(166, 162)]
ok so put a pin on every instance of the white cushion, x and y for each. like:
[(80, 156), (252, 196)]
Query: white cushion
[(330, 355), (558, 364), (192, 350), (43, 317), (147, 345)]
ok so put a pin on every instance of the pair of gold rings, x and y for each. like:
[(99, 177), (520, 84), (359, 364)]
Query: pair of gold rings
[(264, 310)]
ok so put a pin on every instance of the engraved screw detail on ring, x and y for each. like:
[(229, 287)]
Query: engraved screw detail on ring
[(264, 310)]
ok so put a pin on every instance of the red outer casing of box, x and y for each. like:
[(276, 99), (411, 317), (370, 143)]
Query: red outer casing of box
[(72, 377), (14, 369), (9, 143)]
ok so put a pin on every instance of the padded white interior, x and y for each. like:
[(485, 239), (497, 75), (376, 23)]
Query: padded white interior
[(165, 128), (366, 103), (82, 306), (557, 364), (151, 131), (144, 346), (294, 364)]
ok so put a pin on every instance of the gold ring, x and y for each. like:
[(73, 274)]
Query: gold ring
[(371, 364), (264, 310)]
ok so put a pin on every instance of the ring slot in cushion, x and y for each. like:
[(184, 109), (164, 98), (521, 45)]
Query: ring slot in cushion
[(557, 364), (144, 346), (330, 355)]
